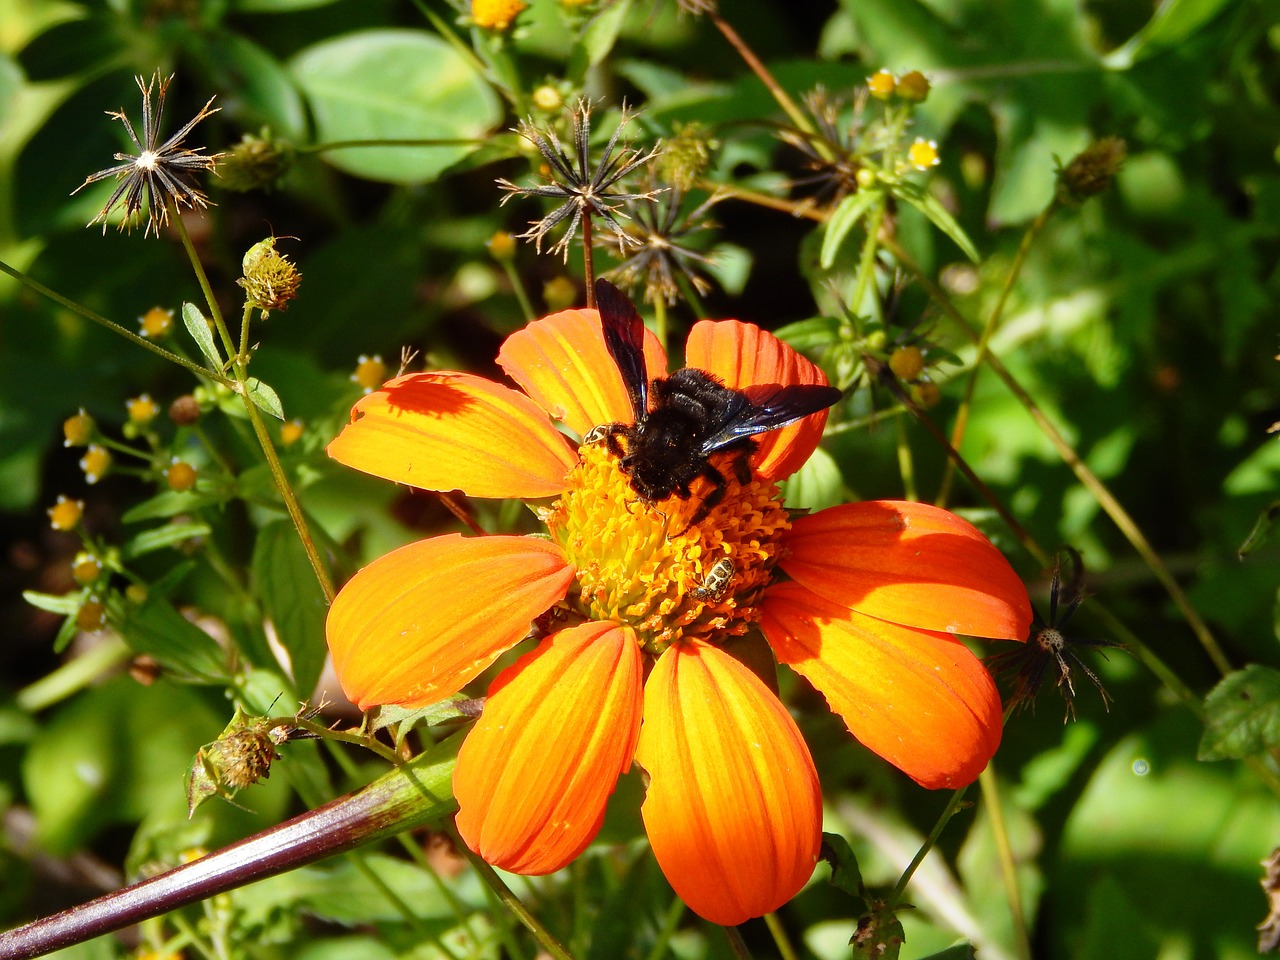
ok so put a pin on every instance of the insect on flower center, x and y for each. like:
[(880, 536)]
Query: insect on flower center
[(646, 565)]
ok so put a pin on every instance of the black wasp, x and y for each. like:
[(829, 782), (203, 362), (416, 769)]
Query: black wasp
[(693, 414)]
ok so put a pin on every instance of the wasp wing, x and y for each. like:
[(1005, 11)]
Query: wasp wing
[(760, 409), (624, 336)]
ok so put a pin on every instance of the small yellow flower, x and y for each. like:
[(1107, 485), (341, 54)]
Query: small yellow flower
[(86, 569), (925, 394), (77, 430), (559, 293), (907, 363), (180, 476), (65, 514), (923, 154), (142, 409), (95, 463), (547, 99), (92, 616), (502, 246), (881, 84), (156, 322), (495, 14), (913, 87), (370, 372), (291, 432)]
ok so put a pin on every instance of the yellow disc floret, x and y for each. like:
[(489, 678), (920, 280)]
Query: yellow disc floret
[(645, 565)]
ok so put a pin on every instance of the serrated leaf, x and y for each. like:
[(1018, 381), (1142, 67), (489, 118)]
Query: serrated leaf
[(932, 207), (157, 538), (64, 604), (264, 398), (202, 333), (292, 600), (843, 219), (1242, 715)]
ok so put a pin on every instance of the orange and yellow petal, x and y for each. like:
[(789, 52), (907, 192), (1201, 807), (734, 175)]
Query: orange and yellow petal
[(417, 624), (909, 563), (733, 808), (558, 728), (562, 362), (447, 431), (741, 354), (919, 699)]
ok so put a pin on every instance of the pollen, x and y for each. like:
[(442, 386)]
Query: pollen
[(645, 565)]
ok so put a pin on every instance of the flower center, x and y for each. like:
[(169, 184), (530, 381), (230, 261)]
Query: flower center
[(646, 565)]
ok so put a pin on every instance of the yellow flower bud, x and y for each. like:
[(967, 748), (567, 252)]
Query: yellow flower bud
[(881, 84), (77, 430), (913, 87), (925, 394), (370, 372), (907, 363), (923, 154), (95, 463), (156, 322), (502, 246), (495, 14), (92, 616), (142, 410), (86, 569), (547, 99), (559, 293), (291, 432), (180, 476), (65, 514)]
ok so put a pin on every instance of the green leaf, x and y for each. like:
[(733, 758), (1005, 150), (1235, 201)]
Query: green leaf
[(845, 875), (961, 951), (844, 219), (170, 503), (202, 332), (597, 38), (157, 629), (1173, 22), (157, 538), (277, 6), (265, 94), (1261, 530), (292, 600), (816, 485), (264, 398), (1242, 715), (399, 85), (932, 207), (66, 604), (436, 713)]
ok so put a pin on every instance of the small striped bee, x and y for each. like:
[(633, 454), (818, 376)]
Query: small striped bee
[(717, 581)]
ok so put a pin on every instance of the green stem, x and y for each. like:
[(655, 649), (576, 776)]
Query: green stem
[(517, 908), (588, 261), (660, 321), (360, 740), (1119, 516), (517, 287), (736, 943), (114, 327), (994, 810), (780, 938), (988, 330), (670, 921), (906, 466), (867, 260), (74, 675), (949, 811), (239, 368)]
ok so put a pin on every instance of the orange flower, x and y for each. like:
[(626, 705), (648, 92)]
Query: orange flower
[(631, 661)]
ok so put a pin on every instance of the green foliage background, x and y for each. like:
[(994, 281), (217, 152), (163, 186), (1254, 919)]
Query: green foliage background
[(1143, 323)]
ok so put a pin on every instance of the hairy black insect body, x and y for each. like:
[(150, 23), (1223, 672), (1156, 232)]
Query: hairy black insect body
[(692, 416)]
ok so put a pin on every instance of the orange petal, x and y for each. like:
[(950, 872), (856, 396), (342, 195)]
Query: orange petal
[(562, 363), (446, 431), (921, 700), (558, 728), (910, 563), (741, 354), (415, 625), (733, 809)]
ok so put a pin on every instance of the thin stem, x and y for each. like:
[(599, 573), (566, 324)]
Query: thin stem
[(392, 142), (517, 287), (1119, 516), (327, 733), (789, 106), (74, 675), (736, 943), (906, 466), (114, 327), (670, 921), (660, 321), (245, 319), (994, 810), (240, 370), (949, 811), (513, 903), (867, 260), (450, 503), (988, 330), (780, 938), (796, 209), (588, 262)]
